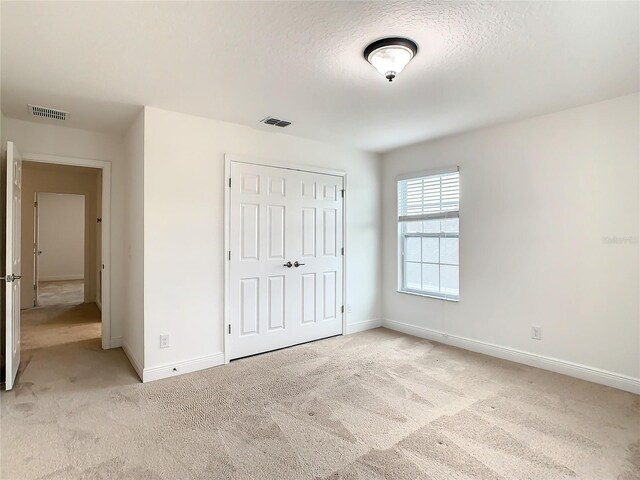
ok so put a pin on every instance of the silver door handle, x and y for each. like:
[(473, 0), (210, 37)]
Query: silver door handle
[(11, 278), (288, 264), (297, 264)]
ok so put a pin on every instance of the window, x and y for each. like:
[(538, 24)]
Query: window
[(429, 229)]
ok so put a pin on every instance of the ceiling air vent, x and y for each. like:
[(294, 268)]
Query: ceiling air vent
[(275, 122), (45, 112)]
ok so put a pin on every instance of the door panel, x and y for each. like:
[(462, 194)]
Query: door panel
[(308, 298), (308, 189), (308, 248), (276, 230), (330, 231), (250, 183), (277, 302), (330, 192), (329, 295), (276, 186), (250, 232), (279, 216), (249, 306), (13, 264)]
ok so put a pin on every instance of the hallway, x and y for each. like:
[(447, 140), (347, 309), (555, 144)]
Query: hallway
[(62, 351), (61, 338), (61, 318), (61, 345)]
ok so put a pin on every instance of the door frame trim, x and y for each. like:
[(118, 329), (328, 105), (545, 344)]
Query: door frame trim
[(36, 243), (228, 159), (105, 297)]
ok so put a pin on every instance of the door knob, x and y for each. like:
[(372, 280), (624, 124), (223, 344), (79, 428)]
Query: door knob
[(11, 278), (289, 264), (297, 264)]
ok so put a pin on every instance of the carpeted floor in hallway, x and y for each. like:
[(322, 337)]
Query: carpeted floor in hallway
[(60, 318), (60, 292), (373, 405)]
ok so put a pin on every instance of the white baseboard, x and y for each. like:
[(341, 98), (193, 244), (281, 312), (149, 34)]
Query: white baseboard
[(362, 326), (186, 366), (99, 304), (137, 366), (115, 342), (571, 369), (56, 278)]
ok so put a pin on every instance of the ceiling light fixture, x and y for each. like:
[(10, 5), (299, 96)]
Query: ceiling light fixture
[(389, 56)]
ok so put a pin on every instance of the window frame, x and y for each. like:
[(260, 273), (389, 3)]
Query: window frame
[(402, 237)]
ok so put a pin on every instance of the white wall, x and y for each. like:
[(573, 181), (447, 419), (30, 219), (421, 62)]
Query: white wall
[(60, 236), (539, 200), (133, 279), (32, 137), (183, 226)]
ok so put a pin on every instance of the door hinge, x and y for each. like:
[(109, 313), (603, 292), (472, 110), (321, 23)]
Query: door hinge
[(342, 250), (342, 192), (342, 309), (229, 329), (35, 204), (229, 254), (229, 182)]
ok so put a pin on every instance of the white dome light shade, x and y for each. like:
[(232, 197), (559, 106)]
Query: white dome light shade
[(389, 56)]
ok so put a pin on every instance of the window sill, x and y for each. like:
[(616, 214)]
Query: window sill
[(430, 295)]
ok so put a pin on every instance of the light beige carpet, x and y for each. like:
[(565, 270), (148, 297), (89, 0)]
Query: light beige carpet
[(374, 405)]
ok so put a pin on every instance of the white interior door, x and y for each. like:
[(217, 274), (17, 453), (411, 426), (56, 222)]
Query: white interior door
[(13, 268), (286, 258)]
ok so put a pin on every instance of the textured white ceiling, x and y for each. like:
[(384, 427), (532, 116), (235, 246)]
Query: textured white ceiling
[(479, 63)]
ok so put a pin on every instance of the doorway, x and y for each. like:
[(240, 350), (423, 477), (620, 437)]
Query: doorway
[(73, 305), (59, 258), (59, 249)]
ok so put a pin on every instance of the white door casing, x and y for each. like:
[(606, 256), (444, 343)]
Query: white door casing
[(36, 248), (13, 268), (105, 166), (277, 216)]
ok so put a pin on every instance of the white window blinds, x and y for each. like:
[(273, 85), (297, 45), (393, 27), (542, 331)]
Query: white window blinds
[(429, 197)]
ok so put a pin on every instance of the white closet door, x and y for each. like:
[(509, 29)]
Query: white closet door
[(280, 216)]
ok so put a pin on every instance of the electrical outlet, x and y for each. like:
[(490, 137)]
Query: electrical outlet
[(164, 341), (348, 308), (536, 333)]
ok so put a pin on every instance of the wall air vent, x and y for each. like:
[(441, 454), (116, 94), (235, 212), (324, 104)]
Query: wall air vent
[(275, 122), (45, 112)]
